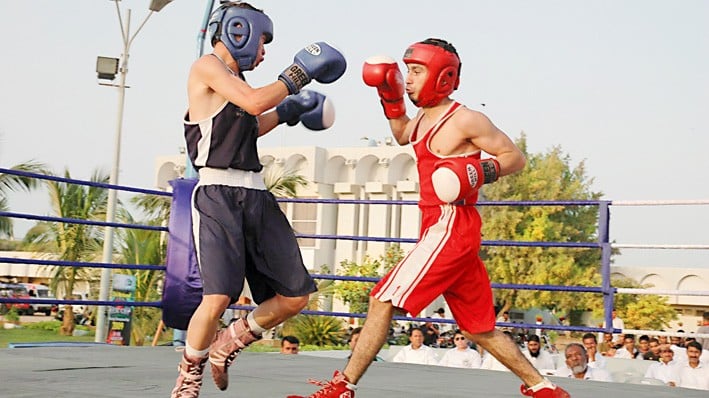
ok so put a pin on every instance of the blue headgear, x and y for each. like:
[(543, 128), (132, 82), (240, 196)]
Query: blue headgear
[(229, 21)]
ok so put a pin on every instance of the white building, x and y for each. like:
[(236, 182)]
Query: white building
[(386, 172)]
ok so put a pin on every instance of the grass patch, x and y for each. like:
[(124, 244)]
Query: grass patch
[(40, 332)]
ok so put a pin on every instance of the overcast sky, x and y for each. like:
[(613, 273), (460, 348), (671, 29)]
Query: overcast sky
[(621, 85)]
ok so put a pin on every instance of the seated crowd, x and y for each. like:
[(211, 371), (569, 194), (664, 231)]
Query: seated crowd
[(679, 362)]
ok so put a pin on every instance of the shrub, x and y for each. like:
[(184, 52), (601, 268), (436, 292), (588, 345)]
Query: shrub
[(317, 330)]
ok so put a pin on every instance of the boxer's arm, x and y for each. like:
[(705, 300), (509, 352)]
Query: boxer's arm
[(267, 122), (208, 71), (400, 129), (485, 135)]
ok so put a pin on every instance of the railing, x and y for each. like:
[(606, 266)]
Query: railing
[(603, 244)]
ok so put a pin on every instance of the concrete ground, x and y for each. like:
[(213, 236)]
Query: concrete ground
[(146, 372)]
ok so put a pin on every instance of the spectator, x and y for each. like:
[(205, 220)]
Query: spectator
[(704, 329), (693, 374), (442, 327), (290, 345), (677, 340), (577, 365), (354, 336), (430, 334), (704, 356), (616, 322), (462, 356), (677, 345), (539, 357), (595, 360), (665, 369), (663, 339), (416, 351), (653, 354), (505, 317), (399, 330), (628, 351), (606, 343), (619, 340), (643, 346)]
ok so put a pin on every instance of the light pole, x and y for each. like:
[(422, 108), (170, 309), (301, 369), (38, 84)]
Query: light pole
[(155, 6)]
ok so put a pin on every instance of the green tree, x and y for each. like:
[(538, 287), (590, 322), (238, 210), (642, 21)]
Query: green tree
[(139, 246), (71, 241), (356, 294), (155, 208), (638, 311), (11, 182), (548, 176)]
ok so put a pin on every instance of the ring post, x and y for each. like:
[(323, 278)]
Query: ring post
[(603, 239)]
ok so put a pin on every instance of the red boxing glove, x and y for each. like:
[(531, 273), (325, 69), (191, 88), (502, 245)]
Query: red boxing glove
[(383, 73), (457, 178)]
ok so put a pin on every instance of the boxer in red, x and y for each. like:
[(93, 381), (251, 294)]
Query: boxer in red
[(448, 140)]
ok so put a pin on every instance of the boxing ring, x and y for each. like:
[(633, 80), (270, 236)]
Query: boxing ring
[(107, 370)]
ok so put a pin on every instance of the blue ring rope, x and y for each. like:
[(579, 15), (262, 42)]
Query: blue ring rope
[(80, 221), (32, 261), (85, 183), (589, 245)]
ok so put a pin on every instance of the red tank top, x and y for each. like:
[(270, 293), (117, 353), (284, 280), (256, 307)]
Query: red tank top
[(425, 159)]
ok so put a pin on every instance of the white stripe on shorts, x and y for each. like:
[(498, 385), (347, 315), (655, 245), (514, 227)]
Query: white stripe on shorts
[(409, 272)]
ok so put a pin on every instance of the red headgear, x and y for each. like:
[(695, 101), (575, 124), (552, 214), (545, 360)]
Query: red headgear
[(443, 71)]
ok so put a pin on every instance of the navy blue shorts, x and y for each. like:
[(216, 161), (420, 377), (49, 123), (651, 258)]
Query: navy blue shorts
[(242, 233)]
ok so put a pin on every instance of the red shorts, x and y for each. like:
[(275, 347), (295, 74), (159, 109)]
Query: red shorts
[(444, 261)]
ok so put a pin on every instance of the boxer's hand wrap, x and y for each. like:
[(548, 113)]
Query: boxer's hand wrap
[(383, 73), (295, 77), (491, 170), (318, 61)]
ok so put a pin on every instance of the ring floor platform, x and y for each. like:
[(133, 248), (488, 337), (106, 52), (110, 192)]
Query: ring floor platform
[(147, 372)]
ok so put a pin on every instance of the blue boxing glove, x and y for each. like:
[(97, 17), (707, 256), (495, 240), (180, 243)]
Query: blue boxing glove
[(318, 61), (310, 107)]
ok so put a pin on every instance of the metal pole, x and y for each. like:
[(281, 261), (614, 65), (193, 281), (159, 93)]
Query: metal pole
[(203, 28), (106, 273), (606, 251), (190, 171)]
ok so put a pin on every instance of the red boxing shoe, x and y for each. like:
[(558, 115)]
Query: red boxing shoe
[(338, 387), (546, 392)]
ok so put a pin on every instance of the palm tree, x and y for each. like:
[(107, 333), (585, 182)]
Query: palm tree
[(11, 182), (71, 241), (283, 182), (155, 207), (139, 246)]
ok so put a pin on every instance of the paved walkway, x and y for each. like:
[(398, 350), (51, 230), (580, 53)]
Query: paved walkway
[(147, 372)]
